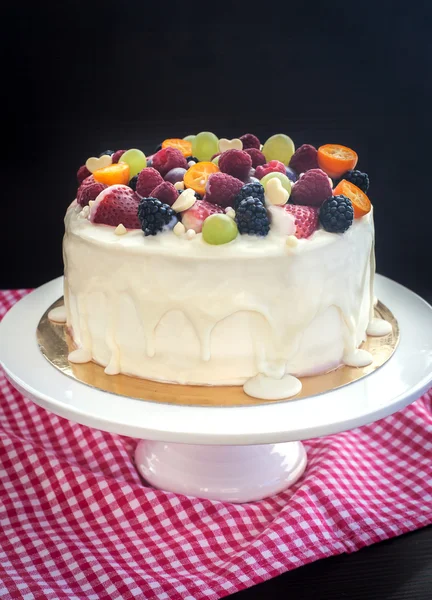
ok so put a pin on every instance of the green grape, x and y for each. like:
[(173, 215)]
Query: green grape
[(135, 159), (279, 147), (189, 138), (205, 145), (219, 229), (215, 160), (286, 183)]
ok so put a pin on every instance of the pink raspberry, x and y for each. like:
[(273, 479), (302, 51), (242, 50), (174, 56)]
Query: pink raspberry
[(236, 163), (274, 166), (304, 159), (305, 219), (89, 190), (257, 157), (165, 192), (117, 156), (167, 159), (147, 180), (117, 204), (222, 189), (82, 173), (312, 188), (250, 140), (194, 217)]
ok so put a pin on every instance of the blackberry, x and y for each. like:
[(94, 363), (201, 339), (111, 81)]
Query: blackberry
[(188, 158), (361, 180), (133, 182), (255, 189), (251, 217), (155, 216), (107, 152), (336, 214)]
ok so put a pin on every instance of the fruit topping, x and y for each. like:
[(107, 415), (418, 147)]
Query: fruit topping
[(286, 183), (175, 175), (196, 176), (305, 219), (147, 180), (335, 159), (166, 193), (312, 188), (114, 205), (361, 180), (89, 190), (291, 174), (304, 158), (133, 182), (113, 174), (252, 218), (337, 214), (273, 166), (236, 163), (117, 156), (191, 160), (155, 216), (222, 189), (249, 140), (82, 173), (205, 145), (257, 157), (135, 159), (194, 217), (282, 222), (279, 147), (189, 138), (219, 229), (254, 190), (225, 145), (93, 163), (275, 192), (167, 159), (107, 153), (184, 146), (360, 202), (184, 201)]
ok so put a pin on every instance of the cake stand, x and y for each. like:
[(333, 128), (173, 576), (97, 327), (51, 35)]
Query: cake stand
[(228, 453)]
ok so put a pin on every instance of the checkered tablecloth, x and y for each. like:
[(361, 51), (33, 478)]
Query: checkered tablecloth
[(77, 522)]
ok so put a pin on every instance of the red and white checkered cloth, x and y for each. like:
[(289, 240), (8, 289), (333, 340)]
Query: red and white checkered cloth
[(77, 522)]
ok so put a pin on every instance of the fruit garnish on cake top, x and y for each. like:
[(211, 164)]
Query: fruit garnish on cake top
[(223, 189)]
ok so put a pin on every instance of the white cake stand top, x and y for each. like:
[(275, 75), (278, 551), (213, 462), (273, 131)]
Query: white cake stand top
[(399, 382)]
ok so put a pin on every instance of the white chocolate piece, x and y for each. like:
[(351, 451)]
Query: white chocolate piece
[(191, 163), (275, 192), (184, 201), (179, 229), (93, 163), (120, 229), (85, 212), (291, 241), (230, 213), (91, 204), (190, 234), (179, 185), (234, 144)]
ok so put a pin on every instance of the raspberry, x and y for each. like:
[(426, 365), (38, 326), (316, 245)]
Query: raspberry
[(305, 219), (312, 188), (155, 216), (252, 218), (117, 156), (222, 189), (166, 193), (337, 214), (194, 217), (236, 163), (256, 190), (89, 190), (116, 204), (167, 159), (147, 180), (274, 166), (361, 180), (257, 157), (82, 173), (250, 141), (304, 158)]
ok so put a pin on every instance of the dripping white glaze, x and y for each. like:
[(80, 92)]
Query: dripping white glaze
[(58, 314), (268, 388), (378, 327), (358, 358), (80, 355)]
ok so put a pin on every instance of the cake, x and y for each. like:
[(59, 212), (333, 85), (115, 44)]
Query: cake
[(221, 262)]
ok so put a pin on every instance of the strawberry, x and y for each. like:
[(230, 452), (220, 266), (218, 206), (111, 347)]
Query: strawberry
[(89, 190), (194, 217), (312, 188), (147, 180), (305, 219), (116, 204), (222, 189)]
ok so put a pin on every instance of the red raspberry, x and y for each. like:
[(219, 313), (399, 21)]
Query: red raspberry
[(82, 173), (250, 140), (236, 163), (222, 189), (305, 219), (166, 193), (89, 190), (257, 157), (117, 204), (147, 180), (274, 166), (194, 217), (117, 156), (304, 159), (312, 188), (167, 159)]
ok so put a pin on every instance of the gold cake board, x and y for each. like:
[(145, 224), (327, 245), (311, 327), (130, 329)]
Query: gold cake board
[(55, 345)]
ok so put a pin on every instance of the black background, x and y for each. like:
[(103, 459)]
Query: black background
[(80, 78)]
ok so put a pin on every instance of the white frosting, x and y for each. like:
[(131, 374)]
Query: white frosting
[(358, 358), (378, 327), (269, 388), (175, 309), (80, 355), (58, 315)]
